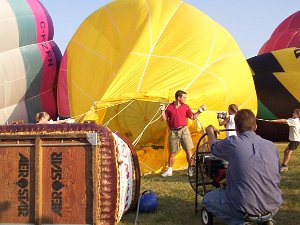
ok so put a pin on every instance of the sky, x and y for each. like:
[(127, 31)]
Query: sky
[(251, 23)]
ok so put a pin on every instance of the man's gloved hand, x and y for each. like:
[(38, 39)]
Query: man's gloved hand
[(162, 107), (202, 108)]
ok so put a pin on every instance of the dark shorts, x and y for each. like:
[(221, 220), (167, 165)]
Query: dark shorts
[(293, 145)]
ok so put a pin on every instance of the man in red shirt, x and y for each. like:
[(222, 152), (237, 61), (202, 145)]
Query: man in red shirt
[(176, 115)]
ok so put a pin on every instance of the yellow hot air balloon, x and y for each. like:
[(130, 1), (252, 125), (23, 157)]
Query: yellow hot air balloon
[(131, 55)]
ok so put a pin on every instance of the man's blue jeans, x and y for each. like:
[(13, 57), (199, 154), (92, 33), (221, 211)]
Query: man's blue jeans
[(216, 202)]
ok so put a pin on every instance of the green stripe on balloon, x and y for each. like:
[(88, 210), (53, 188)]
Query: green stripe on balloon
[(33, 72), (25, 20), (264, 112)]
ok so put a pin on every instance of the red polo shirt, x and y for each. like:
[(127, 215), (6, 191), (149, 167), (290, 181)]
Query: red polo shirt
[(177, 117)]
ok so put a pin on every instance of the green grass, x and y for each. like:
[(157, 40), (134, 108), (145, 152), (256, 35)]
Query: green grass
[(177, 199)]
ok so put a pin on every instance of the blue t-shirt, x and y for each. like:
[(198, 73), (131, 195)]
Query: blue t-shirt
[(253, 173)]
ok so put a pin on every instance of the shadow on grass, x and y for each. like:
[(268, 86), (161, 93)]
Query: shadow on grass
[(290, 180), (179, 176)]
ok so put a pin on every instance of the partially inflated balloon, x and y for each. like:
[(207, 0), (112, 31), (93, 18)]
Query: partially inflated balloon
[(29, 61), (286, 35), (277, 82), (131, 55)]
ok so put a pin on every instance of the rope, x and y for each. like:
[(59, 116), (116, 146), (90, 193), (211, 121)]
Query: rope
[(203, 130), (137, 210), (83, 114), (118, 113), (138, 205), (141, 134), (201, 126), (151, 121), (78, 116), (147, 166)]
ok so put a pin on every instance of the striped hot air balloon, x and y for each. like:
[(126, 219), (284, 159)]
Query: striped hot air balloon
[(29, 61)]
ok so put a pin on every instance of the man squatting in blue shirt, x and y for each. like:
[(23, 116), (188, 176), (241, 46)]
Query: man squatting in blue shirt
[(253, 175)]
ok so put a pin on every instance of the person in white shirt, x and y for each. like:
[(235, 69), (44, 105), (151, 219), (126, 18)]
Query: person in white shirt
[(228, 122), (294, 136)]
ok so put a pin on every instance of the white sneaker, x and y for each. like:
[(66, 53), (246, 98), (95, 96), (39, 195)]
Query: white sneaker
[(190, 171), (168, 173)]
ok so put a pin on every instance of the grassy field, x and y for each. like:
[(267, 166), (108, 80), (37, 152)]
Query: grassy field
[(177, 204)]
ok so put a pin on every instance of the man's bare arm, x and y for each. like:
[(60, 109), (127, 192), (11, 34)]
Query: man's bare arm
[(278, 121), (210, 130)]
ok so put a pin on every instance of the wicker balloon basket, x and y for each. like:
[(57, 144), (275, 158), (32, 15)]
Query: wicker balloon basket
[(66, 174)]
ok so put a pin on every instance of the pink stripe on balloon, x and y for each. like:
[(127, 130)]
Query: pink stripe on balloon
[(62, 88), (44, 24), (49, 77)]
